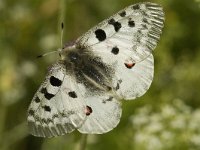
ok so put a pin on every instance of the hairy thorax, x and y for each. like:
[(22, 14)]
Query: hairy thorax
[(87, 68)]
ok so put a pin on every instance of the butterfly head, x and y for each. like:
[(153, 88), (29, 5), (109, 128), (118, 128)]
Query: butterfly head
[(64, 52)]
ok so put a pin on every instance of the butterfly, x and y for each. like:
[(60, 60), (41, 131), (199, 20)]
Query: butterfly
[(110, 63)]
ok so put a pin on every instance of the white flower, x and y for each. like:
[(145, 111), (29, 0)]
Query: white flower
[(168, 111), (178, 103), (195, 139), (154, 143), (168, 128), (194, 120), (28, 68), (49, 42), (154, 127), (149, 142), (139, 120), (141, 117), (167, 135), (179, 122), (140, 137)]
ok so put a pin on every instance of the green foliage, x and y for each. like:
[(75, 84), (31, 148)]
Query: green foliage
[(165, 118)]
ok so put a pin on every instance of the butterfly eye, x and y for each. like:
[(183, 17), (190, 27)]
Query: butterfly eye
[(74, 57)]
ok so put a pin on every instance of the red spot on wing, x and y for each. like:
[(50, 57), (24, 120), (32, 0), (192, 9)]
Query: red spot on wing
[(129, 65), (88, 110)]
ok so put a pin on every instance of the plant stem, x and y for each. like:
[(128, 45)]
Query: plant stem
[(62, 9), (83, 142)]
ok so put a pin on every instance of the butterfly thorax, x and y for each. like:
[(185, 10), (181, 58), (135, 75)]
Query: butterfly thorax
[(87, 68)]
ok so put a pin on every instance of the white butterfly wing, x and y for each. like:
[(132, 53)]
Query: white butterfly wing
[(131, 33), (135, 81), (102, 109), (57, 107), (126, 41), (104, 114)]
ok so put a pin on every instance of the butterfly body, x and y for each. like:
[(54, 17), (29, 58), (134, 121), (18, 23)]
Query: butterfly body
[(87, 69), (111, 62)]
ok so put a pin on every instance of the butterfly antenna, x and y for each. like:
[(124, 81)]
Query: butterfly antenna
[(61, 36), (61, 43), (39, 56)]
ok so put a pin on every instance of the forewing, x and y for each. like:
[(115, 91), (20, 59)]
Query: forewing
[(131, 33), (125, 41), (57, 107)]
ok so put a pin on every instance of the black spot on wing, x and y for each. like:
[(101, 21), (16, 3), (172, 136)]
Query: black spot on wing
[(46, 94), (100, 34), (115, 24), (43, 120), (37, 118), (122, 14), (31, 112), (37, 100), (111, 21), (49, 120), (131, 23), (107, 100), (55, 81), (117, 87), (118, 84), (43, 90), (55, 116), (135, 7), (109, 88), (145, 20), (47, 108), (144, 26), (115, 50), (72, 94)]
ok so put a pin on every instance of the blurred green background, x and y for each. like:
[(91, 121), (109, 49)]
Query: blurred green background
[(167, 117)]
